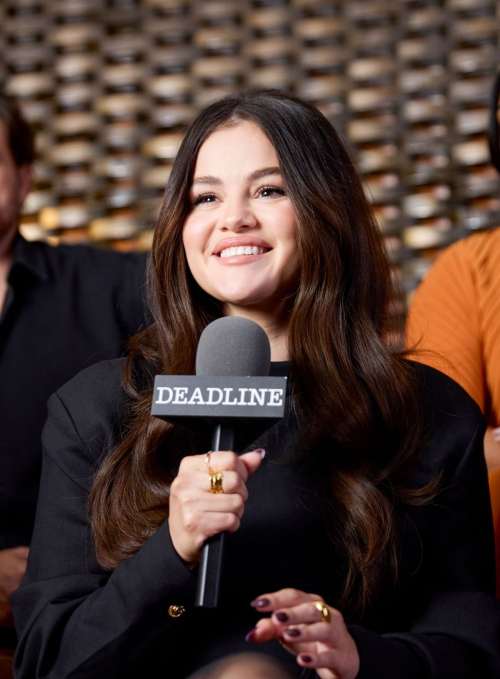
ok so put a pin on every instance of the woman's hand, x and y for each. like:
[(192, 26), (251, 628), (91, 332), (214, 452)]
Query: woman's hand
[(195, 513), (299, 626)]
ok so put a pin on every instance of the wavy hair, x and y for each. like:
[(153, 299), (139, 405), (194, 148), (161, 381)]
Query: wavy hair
[(350, 382)]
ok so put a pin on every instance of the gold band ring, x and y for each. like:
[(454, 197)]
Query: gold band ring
[(215, 477), (216, 483), (323, 608)]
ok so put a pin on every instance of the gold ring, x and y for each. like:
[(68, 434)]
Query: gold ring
[(215, 477), (323, 608), (176, 611), (216, 482), (207, 460)]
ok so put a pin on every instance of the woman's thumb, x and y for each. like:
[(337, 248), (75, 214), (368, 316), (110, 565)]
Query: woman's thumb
[(253, 459)]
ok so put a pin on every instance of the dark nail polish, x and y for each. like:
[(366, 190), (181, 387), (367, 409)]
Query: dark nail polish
[(251, 635), (293, 632), (259, 603), (282, 617), (306, 658)]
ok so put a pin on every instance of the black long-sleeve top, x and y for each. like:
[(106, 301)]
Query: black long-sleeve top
[(76, 620)]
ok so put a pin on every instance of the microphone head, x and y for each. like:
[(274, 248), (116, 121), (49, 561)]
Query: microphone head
[(233, 346)]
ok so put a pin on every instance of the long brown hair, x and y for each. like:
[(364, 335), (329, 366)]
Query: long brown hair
[(349, 382)]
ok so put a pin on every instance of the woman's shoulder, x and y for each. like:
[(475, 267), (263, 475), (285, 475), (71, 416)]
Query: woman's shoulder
[(97, 384), (441, 390), (453, 425), (93, 403)]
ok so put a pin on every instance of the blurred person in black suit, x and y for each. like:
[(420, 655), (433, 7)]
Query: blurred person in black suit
[(61, 309)]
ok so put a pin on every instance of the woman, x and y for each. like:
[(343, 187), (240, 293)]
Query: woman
[(372, 493)]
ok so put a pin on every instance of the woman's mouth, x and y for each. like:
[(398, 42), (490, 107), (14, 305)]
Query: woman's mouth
[(243, 250), (239, 249)]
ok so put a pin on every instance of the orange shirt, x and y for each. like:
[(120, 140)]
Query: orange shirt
[(455, 318), (454, 322)]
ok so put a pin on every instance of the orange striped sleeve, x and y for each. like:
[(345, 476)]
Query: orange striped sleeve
[(444, 321), (485, 251)]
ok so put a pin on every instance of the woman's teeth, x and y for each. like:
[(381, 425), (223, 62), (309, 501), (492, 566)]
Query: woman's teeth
[(242, 250)]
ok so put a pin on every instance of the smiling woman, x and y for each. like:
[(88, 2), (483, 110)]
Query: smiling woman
[(240, 235), (360, 524)]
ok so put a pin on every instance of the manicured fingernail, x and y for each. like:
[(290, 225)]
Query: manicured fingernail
[(261, 451), (251, 635), (305, 658), (292, 632), (259, 603), (282, 617)]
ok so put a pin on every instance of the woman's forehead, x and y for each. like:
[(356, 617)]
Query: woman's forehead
[(240, 148)]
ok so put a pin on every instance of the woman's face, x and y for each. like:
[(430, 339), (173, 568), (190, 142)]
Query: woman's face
[(240, 235)]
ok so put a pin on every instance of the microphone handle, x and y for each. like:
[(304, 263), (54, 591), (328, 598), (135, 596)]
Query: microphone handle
[(212, 553)]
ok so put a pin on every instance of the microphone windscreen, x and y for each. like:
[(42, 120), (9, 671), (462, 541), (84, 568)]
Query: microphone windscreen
[(233, 346)]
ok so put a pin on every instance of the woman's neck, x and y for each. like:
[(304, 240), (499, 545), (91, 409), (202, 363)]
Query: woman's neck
[(275, 329)]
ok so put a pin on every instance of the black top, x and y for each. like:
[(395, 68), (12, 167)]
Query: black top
[(77, 620), (66, 308)]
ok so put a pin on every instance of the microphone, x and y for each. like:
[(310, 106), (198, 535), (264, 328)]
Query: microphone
[(233, 399), (229, 346)]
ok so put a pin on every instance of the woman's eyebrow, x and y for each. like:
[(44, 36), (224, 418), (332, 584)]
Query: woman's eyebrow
[(259, 174), (252, 177), (214, 181)]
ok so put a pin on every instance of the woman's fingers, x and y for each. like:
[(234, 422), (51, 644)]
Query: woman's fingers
[(222, 502), (320, 631), (196, 513), (265, 630), (305, 613), (252, 460), (279, 602), (283, 598), (223, 461), (231, 483), (298, 622), (327, 659), (220, 460), (244, 465), (339, 664), (219, 522), (199, 484)]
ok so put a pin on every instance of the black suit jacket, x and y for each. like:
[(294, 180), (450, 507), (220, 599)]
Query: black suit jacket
[(76, 620), (66, 308)]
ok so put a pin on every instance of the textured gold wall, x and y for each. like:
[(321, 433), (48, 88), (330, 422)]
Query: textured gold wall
[(110, 85)]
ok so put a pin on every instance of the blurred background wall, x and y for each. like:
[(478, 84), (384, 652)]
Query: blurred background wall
[(109, 85)]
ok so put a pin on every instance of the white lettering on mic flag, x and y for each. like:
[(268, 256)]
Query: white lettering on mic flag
[(229, 394), (220, 396), (160, 398)]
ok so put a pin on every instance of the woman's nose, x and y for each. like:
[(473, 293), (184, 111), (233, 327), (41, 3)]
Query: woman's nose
[(237, 215)]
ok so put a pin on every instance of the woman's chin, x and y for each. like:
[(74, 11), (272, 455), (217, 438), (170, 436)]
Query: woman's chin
[(246, 299)]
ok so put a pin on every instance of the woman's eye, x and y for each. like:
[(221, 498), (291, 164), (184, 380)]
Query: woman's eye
[(268, 191), (205, 198)]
